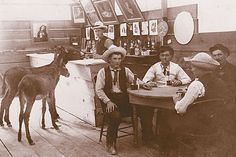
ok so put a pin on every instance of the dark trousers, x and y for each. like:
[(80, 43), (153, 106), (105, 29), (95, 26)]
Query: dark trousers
[(123, 109), (146, 116)]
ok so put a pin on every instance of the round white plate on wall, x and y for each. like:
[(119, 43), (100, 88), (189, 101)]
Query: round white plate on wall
[(183, 27)]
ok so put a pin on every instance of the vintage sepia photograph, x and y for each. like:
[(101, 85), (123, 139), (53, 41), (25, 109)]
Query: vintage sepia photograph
[(78, 14), (144, 28), (106, 11), (123, 29), (117, 78), (130, 10), (153, 27), (40, 32), (136, 28), (90, 11)]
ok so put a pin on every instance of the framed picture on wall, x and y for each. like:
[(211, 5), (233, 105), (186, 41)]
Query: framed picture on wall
[(88, 29), (106, 11), (111, 31), (136, 29), (78, 14), (40, 32), (130, 10), (90, 11), (123, 29), (153, 27), (144, 28)]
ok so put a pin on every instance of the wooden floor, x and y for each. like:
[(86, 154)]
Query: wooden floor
[(74, 139)]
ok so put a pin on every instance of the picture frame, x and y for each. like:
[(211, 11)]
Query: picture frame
[(130, 10), (40, 32), (123, 29), (153, 27), (88, 34), (106, 11), (144, 30), (78, 14), (111, 31), (136, 28), (90, 11)]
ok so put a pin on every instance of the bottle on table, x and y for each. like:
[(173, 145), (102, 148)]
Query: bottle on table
[(134, 85)]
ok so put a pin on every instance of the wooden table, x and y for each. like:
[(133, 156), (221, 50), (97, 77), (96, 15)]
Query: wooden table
[(158, 97)]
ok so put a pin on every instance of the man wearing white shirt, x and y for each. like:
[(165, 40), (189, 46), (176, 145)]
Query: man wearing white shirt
[(164, 71)]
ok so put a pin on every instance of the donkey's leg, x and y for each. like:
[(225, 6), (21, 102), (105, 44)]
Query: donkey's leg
[(30, 102), (52, 96), (5, 105), (51, 110), (43, 112), (22, 104)]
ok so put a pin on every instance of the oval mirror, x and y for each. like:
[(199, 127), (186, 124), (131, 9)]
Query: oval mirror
[(183, 27)]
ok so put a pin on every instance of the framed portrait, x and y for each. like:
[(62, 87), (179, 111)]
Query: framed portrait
[(130, 10), (90, 11), (123, 29), (78, 14), (153, 27), (136, 29), (87, 32), (106, 11), (111, 31), (40, 32), (144, 28)]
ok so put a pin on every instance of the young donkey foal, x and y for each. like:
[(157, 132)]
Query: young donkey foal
[(41, 84), (13, 76)]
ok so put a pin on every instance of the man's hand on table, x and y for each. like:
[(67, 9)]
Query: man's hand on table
[(146, 86), (176, 82), (110, 106)]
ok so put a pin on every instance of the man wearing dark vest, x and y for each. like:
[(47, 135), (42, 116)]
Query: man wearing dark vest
[(111, 88), (103, 42)]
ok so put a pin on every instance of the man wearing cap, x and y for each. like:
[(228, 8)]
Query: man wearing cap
[(103, 42), (111, 88), (162, 71), (226, 71), (205, 87)]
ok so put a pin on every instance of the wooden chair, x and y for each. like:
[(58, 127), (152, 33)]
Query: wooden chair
[(122, 129), (199, 128)]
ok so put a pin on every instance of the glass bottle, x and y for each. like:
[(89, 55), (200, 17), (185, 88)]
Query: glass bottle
[(134, 85)]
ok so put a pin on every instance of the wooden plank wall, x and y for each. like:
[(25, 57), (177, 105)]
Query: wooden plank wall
[(16, 40)]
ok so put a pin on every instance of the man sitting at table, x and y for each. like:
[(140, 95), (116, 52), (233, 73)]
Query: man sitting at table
[(161, 72), (206, 86), (226, 71), (111, 88)]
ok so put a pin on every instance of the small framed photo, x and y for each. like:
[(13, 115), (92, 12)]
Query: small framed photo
[(87, 32), (40, 32), (111, 31), (106, 11), (136, 29), (123, 29), (130, 10), (78, 14), (144, 28), (153, 27), (90, 11)]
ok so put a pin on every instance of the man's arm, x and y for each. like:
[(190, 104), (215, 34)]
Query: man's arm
[(194, 90), (150, 75), (182, 76), (108, 43), (100, 84)]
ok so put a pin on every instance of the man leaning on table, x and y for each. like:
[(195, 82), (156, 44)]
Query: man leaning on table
[(161, 72)]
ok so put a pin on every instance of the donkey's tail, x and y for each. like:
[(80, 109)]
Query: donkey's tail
[(3, 85)]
